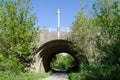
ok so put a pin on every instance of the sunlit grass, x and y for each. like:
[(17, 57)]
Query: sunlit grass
[(23, 76)]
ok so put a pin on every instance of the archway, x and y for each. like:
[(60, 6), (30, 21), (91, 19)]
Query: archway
[(48, 50)]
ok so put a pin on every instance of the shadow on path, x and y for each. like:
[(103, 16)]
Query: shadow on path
[(61, 71)]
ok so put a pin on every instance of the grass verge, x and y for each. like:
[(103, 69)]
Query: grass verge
[(23, 76)]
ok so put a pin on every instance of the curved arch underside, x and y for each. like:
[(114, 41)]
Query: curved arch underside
[(48, 50)]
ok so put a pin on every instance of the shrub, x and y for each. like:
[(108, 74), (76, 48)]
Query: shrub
[(101, 72), (11, 65)]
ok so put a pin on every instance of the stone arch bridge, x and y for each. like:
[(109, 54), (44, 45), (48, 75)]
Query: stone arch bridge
[(51, 46)]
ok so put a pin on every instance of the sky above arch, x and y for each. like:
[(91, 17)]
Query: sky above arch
[(46, 11)]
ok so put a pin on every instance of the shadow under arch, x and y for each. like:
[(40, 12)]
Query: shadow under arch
[(48, 50)]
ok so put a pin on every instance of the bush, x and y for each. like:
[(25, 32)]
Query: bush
[(11, 66), (101, 72)]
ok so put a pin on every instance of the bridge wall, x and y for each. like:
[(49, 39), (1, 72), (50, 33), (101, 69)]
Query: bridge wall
[(45, 37), (48, 34)]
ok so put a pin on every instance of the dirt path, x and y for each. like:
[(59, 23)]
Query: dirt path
[(57, 76)]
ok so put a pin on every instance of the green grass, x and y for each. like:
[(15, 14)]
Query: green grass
[(23, 76)]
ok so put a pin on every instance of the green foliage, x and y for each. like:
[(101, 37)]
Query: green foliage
[(92, 72), (83, 34), (108, 42), (62, 62), (23, 76), (104, 63), (17, 33), (11, 65)]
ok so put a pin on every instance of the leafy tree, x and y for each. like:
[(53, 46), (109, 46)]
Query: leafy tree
[(106, 43), (17, 32), (83, 34)]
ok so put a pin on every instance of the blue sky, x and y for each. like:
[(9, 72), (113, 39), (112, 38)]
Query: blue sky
[(46, 11)]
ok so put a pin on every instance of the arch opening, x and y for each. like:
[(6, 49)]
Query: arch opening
[(58, 46), (62, 62)]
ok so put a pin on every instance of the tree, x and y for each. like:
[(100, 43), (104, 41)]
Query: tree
[(17, 32), (106, 42), (83, 34)]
